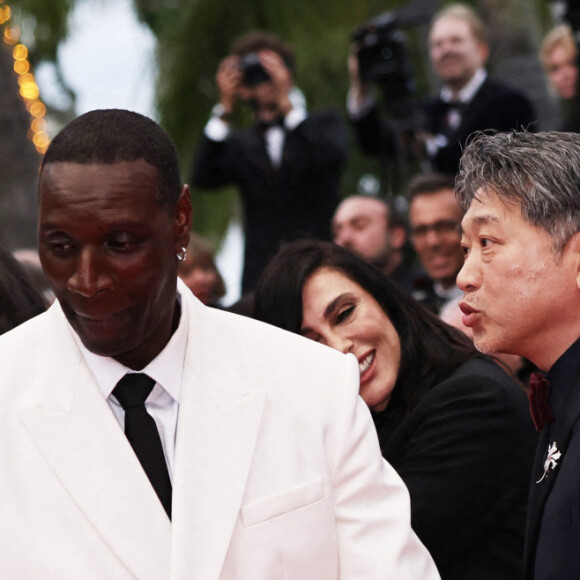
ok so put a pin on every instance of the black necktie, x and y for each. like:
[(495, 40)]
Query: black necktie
[(457, 105), (277, 122), (141, 431)]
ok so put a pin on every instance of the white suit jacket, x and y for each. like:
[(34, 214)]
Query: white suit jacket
[(277, 473)]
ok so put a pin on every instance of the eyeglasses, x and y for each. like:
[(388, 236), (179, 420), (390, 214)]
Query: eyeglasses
[(441, 228)]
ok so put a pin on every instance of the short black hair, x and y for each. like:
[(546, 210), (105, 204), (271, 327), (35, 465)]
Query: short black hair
[(111, 136)]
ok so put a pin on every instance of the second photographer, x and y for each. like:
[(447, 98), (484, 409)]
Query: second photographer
[(469, 100)]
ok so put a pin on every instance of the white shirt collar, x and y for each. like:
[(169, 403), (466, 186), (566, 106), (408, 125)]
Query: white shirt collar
[(166, 368), (468, 91)]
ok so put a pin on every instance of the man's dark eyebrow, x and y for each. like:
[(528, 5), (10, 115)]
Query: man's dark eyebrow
[(481, 220), (47, 226), (484, 220)]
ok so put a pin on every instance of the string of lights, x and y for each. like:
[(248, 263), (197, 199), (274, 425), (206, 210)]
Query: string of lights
[(28, 88)]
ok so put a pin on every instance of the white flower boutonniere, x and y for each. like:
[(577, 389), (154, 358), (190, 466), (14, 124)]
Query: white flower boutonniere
[(551, 460)]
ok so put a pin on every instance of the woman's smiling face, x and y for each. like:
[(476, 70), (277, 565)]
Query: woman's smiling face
[(339, 313)]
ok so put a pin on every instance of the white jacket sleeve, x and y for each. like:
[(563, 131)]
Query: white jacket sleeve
[(373, 521)]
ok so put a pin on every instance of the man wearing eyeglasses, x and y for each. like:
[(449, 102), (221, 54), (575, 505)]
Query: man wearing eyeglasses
[(287, 164), (434, 219)]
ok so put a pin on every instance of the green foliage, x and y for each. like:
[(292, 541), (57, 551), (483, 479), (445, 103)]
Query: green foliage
[(195, 35), (192, 45), (47, 21)]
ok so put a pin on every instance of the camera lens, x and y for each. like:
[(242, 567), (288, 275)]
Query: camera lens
[(253, 71)]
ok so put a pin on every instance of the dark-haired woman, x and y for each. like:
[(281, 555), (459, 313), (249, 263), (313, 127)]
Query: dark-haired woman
[(19, 297), (452, 423)]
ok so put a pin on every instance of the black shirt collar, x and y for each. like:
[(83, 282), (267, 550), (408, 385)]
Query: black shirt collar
[(561, 376)]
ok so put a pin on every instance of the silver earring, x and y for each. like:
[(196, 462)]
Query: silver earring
[(182, 254)]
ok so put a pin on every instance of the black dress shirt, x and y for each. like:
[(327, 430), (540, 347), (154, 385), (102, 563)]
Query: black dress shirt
[(553, 526)]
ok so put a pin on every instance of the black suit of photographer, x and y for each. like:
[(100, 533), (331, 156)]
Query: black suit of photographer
[(283, 199), (494, 106)]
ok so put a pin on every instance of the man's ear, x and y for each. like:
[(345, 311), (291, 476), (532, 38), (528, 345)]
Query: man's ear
[(483, 49), (398, 237), (570, 257), (183, 215)]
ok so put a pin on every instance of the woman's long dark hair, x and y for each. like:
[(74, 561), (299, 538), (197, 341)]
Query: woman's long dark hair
[(19, 299), (430, 349)]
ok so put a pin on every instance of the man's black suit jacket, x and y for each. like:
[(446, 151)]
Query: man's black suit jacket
[(553, 526), (297, 199), (495, 106)]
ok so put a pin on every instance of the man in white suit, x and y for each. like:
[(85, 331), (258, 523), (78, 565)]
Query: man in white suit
[(274, 467)]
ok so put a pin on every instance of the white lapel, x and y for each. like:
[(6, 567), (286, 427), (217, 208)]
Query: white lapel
[(219, 419), (76, 432)]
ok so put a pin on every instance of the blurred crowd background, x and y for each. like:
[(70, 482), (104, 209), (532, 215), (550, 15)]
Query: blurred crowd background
[(191, 40)]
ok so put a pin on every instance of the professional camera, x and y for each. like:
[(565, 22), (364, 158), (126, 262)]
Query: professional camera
[(383, 60), (383, 57), (253, 71)]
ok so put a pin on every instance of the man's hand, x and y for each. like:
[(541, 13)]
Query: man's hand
[(229, 79), (281, 78)]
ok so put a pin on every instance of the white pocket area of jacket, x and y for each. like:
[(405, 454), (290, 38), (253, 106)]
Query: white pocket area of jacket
[(282, 502)]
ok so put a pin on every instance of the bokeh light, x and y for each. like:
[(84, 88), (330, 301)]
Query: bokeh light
[(29, 90)]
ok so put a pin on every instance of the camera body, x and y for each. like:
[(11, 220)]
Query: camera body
[(383, 57), (253, 72)]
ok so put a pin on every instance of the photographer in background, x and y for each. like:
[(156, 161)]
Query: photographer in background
[(469, 100), (287, 164)]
